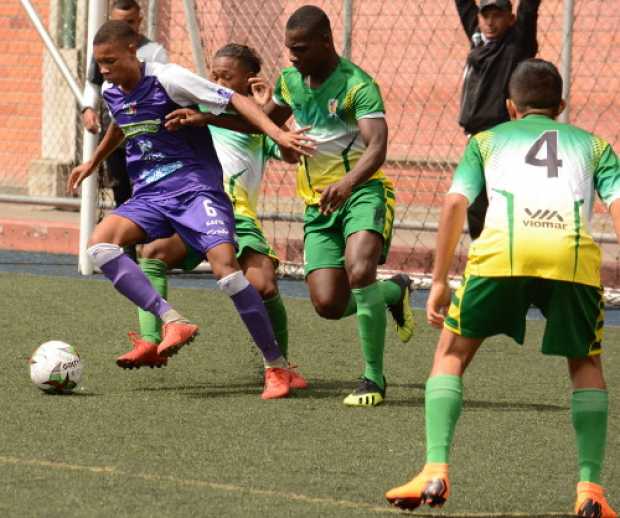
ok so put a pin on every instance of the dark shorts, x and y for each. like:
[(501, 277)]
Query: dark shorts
[(202, 219), (487, 306)]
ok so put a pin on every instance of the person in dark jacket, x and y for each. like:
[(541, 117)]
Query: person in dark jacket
[(499, 41)]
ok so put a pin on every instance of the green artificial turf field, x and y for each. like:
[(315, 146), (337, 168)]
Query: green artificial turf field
[(195, 439)]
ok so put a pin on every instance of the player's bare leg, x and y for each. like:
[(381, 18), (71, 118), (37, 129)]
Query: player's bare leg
[(443, 405), (106, 251), (589, 411), (260, 271), (254, 315)]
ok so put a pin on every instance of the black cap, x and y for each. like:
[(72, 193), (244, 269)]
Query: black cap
[(504, 5)]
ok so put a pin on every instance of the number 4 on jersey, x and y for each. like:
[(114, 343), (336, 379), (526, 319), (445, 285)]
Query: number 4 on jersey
[(551, 161)]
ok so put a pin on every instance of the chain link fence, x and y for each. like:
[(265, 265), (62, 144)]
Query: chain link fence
[(414, 49)]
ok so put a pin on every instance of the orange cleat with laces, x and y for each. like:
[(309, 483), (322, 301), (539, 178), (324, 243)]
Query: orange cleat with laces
[(176, 335), (277, 383), (431, 487), (143, 354)]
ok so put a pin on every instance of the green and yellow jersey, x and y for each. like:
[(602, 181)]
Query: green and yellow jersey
[(540, 177), (332, 110), (243, 159)]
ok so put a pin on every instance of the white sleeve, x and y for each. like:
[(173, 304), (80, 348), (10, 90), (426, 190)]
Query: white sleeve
[(186, 88), (90, 97), (160, 55), (153, 52)]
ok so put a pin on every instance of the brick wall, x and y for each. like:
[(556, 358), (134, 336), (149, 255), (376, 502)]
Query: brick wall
[(20, 92)]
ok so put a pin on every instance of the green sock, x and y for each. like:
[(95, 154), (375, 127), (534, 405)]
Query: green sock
[(589, 411), (371, 329), (277, 314), (389, 290), (150, 325), (443, 405)]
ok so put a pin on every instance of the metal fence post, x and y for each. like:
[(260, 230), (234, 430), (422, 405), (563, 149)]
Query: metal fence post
[(88, 208), (151, 20), (347, 16), (566, 60), (194, 36)]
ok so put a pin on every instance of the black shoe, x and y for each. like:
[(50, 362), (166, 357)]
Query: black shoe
[(401, 310)]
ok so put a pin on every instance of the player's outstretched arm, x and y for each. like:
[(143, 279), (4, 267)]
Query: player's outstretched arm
[(112, 139), (374, 133), (451, 224), (295, 141)]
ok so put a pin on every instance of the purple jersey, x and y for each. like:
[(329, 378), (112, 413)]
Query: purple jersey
[(162, 162)]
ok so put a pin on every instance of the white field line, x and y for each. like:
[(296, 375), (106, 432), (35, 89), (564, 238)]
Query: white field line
[(111, 471)]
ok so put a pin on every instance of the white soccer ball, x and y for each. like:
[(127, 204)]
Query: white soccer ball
[(55, 367)]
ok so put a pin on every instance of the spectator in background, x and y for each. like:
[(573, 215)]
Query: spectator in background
[(499, 42), (148, 51)]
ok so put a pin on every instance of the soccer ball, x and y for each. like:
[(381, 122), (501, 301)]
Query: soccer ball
[(55, 367)]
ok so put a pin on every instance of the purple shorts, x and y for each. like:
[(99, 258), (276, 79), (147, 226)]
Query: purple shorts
[(203, 219)]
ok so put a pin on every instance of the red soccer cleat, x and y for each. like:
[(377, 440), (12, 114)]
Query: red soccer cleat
[(591, 502), (277, 383), (143, 354), (297, 380), (176, 335), (430, 487)]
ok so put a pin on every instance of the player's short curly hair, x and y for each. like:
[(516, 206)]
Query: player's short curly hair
[(535, 83), (115, 30), (311, 19), (247, 55)]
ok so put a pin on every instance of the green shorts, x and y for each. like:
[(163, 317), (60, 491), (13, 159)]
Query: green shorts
[(249, 237), (370, 207), (487, 306)]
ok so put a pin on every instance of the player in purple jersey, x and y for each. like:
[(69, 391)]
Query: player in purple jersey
[(177, 183)]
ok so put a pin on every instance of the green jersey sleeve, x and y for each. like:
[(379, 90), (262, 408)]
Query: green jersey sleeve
[(271, 149), (366, 100), (607, 172), (281, 94), (468, 178)]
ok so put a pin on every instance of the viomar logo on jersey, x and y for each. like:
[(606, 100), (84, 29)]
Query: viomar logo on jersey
[(544, 218)]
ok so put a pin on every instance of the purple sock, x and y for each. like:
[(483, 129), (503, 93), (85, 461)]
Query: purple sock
[(129, 279), (254, 315)]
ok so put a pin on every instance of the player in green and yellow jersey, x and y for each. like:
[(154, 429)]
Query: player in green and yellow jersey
[(349, 201), (535, 248), (243, 158)]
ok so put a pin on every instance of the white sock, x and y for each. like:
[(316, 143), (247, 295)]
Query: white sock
[(278, 363)]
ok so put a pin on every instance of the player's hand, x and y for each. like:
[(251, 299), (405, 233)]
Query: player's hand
[(78, 174), (261, 90), (438, 303), (184, 117), (334, 195), (297, 141), (90, 120)]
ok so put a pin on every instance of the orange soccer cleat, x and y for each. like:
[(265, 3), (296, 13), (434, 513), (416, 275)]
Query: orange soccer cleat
[(176, 335), (297, 380), (591, 502), (277, 383), (143, 354), (431, 487)]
